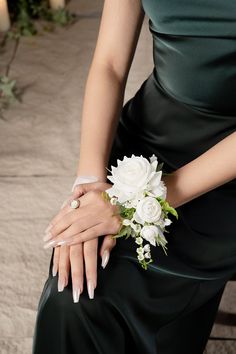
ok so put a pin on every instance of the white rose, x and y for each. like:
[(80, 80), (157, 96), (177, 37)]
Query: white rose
[(148, 210), (157, 188), (150, 233), (131, 177)]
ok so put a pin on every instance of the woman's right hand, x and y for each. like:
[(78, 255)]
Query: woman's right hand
[(80, 256)]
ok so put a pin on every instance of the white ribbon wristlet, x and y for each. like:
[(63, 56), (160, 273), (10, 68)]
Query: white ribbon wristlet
[(81, 180), (84, 179)]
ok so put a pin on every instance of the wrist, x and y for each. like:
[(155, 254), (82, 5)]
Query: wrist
[(180, 188), (174, 196), (85, 179)]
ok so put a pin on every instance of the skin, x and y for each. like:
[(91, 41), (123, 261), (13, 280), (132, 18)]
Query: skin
[(119, 31)]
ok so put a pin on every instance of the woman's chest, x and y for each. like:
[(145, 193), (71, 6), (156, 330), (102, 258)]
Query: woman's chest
[(192, 17)]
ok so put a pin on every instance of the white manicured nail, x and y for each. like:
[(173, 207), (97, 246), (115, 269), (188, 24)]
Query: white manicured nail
[(49, 244), (76, 295), (54, 270), (62, 242), (105, 258), (60, 285), (90, 289)]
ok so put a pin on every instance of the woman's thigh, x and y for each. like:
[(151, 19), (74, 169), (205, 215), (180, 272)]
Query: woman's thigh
[(133, 310)]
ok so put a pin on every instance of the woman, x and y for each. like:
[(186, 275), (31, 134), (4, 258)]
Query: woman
[(184, 113)]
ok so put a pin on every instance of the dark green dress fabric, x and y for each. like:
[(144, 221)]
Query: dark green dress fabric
[(185, 106)]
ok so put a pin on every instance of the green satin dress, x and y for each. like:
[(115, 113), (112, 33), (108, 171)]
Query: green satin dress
[(185, 106)]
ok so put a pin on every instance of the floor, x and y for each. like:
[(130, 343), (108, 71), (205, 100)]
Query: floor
[(38, 156)]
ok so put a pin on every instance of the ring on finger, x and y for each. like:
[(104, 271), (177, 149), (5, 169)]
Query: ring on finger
[(75, 203)]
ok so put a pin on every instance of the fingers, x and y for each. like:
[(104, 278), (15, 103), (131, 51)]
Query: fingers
[(110, 226), (65, 221), (90, 225), (77, 270), (90, 260), (73, 223), (64, 267), (78, 191), (55, 266), (107, 245), (66, 217), (65, 208)]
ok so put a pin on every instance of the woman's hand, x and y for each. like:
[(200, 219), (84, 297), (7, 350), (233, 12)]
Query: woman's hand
[(95, 217), (76, 256)]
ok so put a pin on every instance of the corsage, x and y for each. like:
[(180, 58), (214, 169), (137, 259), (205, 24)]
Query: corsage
[(140, 193)]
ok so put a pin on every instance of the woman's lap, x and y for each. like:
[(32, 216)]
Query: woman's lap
[(133, 310)]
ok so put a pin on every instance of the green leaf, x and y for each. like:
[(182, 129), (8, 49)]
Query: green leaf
[(7, 87), (127, 213), (169, 209), (159, 167)]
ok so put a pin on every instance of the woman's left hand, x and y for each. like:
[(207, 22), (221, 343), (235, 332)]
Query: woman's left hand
[(94, 217)]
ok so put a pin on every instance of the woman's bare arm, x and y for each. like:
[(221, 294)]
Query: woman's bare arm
[(213, 168), (118, 35)]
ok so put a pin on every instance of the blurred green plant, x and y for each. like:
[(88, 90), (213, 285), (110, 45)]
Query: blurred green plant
[(7, 90), (25, 12)]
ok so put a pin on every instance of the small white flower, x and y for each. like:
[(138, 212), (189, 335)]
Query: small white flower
[(153, 159), (126, 222), (158, 187), (149, 233), (136, 227), (167, 222), (139, 250), (160, 223), (139, 240), (147, 255), (146, 248), (148, 210), (140, 257), (130, 204), (113, 200)]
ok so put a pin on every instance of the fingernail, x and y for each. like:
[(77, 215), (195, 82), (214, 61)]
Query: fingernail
[(76, 295), (62, 242), (105, 258), (48, 236), (49, 244), (54, 270), (90, 289), (61, 285), (48, 228)]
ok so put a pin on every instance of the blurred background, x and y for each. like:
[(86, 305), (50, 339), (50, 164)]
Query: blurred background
[(46, 48)]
